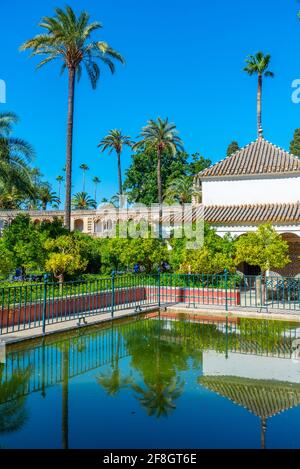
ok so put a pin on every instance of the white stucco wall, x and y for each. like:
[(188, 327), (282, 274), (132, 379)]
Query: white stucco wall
[(251, 191)]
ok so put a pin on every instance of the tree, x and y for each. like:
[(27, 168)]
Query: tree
[(82, 201), (59, 179), (181, 190), (232, 148), (295, 143), (84, 167), (258, 65), (162, 137), (96, 181), (115, 141), (64, 257), (149, 253), (24, 241), (46, 196), (141, 177), (264, 248), (68, 39), (15, 155), (6, 260), (213, 257)]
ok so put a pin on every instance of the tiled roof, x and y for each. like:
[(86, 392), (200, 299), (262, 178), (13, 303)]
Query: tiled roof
[(262, 398), (259, 157), (256, 213)]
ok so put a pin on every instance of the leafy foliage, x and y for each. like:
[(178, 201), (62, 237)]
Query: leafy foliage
[(264, 248), (295, 143), (141, 177), (232, 148)]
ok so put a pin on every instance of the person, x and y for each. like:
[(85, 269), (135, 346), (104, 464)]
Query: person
[(136, 268)]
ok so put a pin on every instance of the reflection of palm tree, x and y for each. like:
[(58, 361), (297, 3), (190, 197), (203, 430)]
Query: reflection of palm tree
[(13, 415), (158, 398), (158, 362), (65, 398), (111, 380)]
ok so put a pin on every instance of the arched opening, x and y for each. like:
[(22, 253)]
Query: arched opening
[(293, 268), (98, 227), (78, 225)]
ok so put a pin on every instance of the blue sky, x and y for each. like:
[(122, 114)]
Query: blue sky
[(184, 60)]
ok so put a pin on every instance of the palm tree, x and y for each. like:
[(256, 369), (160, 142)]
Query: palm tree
[(46, 196), (36, 175), (181, 190), (258, 65), (84, 168), (96, 181), (115, 141), (59, 180), (10, 200), (82, 201), (68, 39), (162, 136), (15, 155)]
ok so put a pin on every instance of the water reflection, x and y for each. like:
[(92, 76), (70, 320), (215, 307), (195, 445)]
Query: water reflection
[(250, 363)]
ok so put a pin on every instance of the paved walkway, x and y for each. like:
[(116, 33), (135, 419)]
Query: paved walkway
[(64, 326), (236, 312)]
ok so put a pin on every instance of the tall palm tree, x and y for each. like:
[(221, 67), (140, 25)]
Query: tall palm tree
[(96, 181), (115, 141), (46, 196), (59, 180), (82, 201), (15, 155), (258, 64), (68, 39), (162, 136), (84, 167)]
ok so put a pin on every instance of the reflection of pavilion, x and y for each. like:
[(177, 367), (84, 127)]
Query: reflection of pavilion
[(264, 395)]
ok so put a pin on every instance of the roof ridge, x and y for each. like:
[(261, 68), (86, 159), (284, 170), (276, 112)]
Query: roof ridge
[(263, 158)]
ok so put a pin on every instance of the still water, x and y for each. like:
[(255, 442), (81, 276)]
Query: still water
[(155, 383)]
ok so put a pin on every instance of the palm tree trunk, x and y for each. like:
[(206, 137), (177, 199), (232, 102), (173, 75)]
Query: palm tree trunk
[(159, 189), (95, 195), (120, 173), (83, 181), (65, 400), (259, 96), (71, 92)]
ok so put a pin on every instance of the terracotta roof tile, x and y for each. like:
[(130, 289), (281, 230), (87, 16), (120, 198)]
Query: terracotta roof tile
[(259, 157), (256, 213)]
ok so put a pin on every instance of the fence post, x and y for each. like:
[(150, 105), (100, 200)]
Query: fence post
[(226, 287), (158, 286), (112, 293), (44, 306)]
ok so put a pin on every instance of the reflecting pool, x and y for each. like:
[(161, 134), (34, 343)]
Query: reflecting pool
[(155, 383)]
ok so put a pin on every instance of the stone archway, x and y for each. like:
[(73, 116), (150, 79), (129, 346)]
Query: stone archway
[(293, 268), (78, 224)]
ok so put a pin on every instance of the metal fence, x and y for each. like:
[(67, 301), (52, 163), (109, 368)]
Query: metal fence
[(40, 304)]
